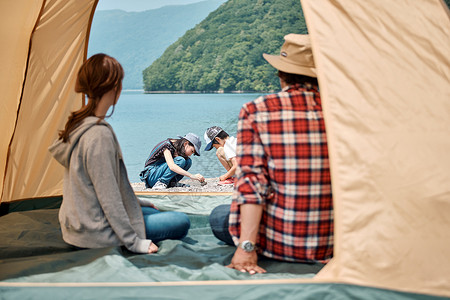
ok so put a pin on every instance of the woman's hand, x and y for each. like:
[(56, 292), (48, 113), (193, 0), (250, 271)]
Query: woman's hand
[(152, 206), (152, 248), (198, 177)]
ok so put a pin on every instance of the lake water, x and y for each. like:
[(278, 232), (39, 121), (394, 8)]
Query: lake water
[(140, 121)]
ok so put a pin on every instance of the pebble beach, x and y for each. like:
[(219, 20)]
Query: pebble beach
[(194, 187)]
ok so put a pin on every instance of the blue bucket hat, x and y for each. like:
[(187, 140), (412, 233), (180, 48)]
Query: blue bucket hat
[(194, 140)]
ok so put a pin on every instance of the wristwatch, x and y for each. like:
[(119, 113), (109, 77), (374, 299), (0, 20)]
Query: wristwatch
[(247, 246)]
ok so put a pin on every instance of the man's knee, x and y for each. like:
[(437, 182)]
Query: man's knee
[(219, 216), (218, 220)]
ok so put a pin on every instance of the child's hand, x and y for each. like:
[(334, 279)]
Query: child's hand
[(199, 177)]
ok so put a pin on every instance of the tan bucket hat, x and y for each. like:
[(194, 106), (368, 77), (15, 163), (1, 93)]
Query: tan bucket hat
[(295, 56)]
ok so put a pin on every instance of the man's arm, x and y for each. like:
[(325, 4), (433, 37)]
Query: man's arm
[(250, 219), (251, 190)]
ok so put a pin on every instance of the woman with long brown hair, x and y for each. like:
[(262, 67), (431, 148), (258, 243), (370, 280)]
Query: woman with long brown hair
[(99, 207)]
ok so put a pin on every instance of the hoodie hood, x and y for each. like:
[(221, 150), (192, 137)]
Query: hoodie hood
[(62, 151)]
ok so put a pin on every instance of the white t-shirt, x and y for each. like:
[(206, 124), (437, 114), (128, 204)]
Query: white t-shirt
[(230, 147)]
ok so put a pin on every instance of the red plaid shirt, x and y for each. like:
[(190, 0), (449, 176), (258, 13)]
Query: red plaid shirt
[(282, 159)]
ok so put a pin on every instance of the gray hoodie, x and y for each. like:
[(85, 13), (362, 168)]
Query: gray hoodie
[(99, 207)]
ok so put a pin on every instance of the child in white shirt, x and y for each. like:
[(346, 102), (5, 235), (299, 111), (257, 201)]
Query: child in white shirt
[(225, 151)]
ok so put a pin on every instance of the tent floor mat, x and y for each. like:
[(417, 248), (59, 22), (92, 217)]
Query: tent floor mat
[(34, 246), (35, 263)]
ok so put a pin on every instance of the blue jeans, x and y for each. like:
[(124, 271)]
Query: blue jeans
[(165, 225), (218, 219), (160, 171)]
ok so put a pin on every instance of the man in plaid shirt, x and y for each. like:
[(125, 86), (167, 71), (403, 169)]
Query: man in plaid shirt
[(282, 204)]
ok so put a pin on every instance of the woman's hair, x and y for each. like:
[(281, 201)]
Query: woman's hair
[(179, 146), (223, 135), (295, 78), (98, 75)]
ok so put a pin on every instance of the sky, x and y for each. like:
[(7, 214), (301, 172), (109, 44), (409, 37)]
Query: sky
[(139, 5)]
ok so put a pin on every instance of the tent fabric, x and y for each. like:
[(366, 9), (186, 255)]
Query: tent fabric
[(46, 44), (384, 74), (13, 58), (190, 203), (30, 204), (223, 290)]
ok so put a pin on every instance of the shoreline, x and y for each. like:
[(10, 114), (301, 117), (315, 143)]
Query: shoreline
[(203, 92), (195, 92)]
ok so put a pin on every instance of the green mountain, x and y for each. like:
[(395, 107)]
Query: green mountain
[(136, 39), (224, 51)]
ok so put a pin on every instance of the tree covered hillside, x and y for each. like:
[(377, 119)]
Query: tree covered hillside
[(224, 51)]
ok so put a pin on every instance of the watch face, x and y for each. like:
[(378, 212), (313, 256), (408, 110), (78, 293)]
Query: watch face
[(248, 246)]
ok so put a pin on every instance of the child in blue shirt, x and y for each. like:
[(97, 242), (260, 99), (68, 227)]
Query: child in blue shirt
[(169, 162)]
